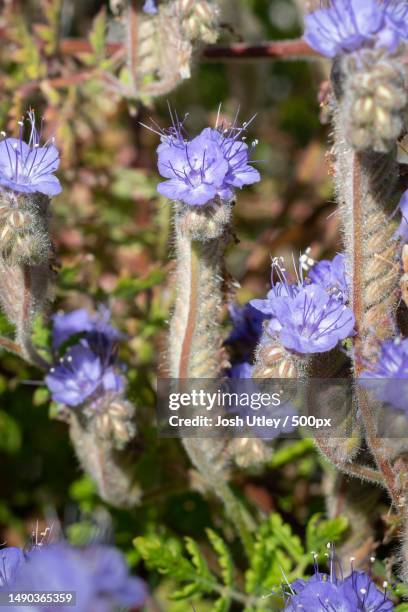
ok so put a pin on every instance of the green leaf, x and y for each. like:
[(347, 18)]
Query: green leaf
[(82, 489), (224, 557), (197, 558), (193, 588), (283, 534), (97, 40), (166, 555), (276, 552), (222, 605), (10, 434), (291, 452), (41, 333), (129, 287), (41, 396), (320, 532)]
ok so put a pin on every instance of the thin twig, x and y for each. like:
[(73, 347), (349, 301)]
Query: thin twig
[(280, 49)]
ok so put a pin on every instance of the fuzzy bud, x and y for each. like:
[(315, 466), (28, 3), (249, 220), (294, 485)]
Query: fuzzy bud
[(274, 361), (199, 20), (204, 223), (101, 445), (372, 91), (171, 33), (24, 234), (114, 421)]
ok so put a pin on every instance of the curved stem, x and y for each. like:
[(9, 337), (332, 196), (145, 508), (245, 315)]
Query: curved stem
[(352, 469)]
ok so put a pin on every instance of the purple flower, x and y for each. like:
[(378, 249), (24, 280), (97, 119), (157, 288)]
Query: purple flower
[(29, 167), (364, 594), (402, 231), (98, 575), (389, 377), (209, 166), (241, 370), (349, 25), (247, 326), (325, 592), (83, 374), (150, 7), (312, 321), (89, 367), (11, 559), (396, 15), (307, 318), (81, 322), (331, 275)]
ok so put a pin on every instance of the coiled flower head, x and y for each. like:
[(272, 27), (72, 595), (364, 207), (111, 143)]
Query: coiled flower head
[(366, 38)]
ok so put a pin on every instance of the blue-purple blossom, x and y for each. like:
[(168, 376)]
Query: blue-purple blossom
[(312, 321), (209, 166), (306, 317), (80, 321), (331, 275), (241, 370), (150, 7), (389, 377), (89, 368), (82, 374), (11, 560), (97, 574), (247, 327), (349, 25), (29, 167), (402, 231), (329, 593)]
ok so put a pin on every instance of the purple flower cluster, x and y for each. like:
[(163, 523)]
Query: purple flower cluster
[(88, 369), (97, 574), (325, 592), (211, 165), (29, 167), (309, 316), (349, 25), (389, 377)]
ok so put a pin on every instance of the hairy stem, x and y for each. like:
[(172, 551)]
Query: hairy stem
[(366, 184), (110, 469), (195, 350)]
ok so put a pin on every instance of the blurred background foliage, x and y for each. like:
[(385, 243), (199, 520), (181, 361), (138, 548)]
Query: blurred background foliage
[(113, 239)]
